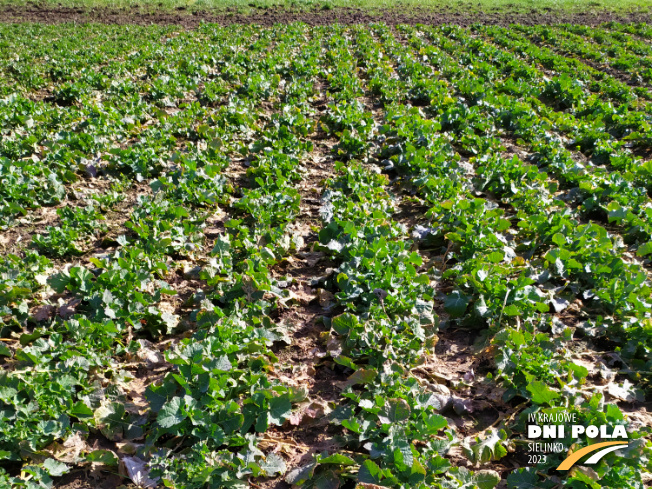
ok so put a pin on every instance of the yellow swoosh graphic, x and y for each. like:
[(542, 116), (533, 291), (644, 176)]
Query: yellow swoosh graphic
[(574, 457)]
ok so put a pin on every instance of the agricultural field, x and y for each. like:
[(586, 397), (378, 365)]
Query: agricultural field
[(323, 256)]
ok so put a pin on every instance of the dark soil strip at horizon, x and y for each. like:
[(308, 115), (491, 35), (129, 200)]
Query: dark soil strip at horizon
[(47, 14)]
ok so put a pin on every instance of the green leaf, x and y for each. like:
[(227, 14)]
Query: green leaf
[(280, 409), (483, 451), (158, 395), (438, 465), (107, 297), (512, 310), (81, 410), (436, 422), (301, 474), (27, 338), (395, 410), (327, 479), (417, 472), (579, 371), (344, 323), (108, 417), (106, 457), (645, 249), (223, 363), (486, 479), (262, 422), (352, 424), (338, 459), (7, 455), (59, 282), (525, 478), (403, 454), (272, 465), (230, 418), (613, 413), (362, 376), (55, 468), (370, 473), (541, 393), (171, 413), (456, 304), (297, 394), (345, 361), (584, 477), (495, 257)]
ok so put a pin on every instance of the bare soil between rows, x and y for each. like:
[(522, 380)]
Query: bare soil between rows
[(48, 14)]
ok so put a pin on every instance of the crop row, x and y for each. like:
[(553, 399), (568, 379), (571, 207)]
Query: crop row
[(613, 183)]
